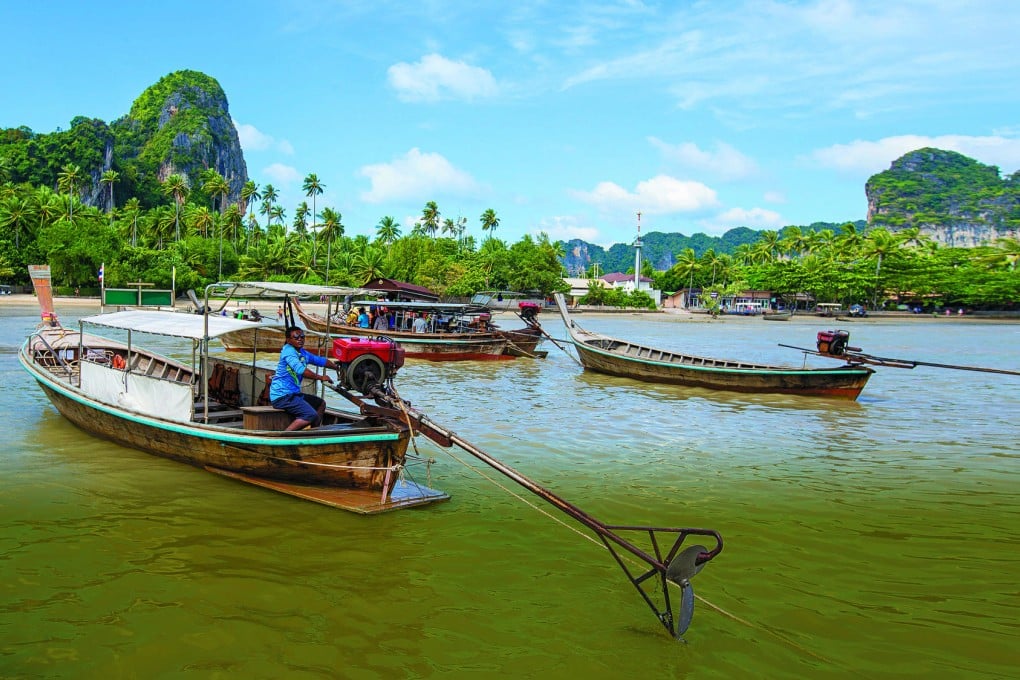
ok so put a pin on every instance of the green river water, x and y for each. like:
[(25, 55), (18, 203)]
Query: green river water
[(876, 539)]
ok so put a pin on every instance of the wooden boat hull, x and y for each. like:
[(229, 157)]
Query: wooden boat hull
[(843, 382), (428, 346), (624, 359), (779, 316), (523, 342), (268, 339)]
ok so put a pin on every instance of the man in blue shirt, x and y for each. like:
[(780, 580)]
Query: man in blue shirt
[(285, 390)]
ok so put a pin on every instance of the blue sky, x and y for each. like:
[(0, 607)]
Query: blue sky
[(563, 117)]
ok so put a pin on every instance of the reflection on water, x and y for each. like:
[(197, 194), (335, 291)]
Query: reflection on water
[(873, 539)]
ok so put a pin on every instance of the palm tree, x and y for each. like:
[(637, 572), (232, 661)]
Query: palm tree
[(313, 187), (278, 213), (301, 219), (132, 208), (109, 178), (849, 239), (165, 218), (794, 241), (17, 214), (332, 228), (199, 219), (430, 218), (68, 179), (687, 263), (388, 230), (489, 221), (254, 230), (215, 185), (233, 222), (1005, 254), (449, 227), (711, 260), (249, 195), (47, 205), (269, 196), (369, 265), (176, 186), (879, 243)]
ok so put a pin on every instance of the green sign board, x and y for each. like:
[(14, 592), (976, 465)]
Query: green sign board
[(138, 297)]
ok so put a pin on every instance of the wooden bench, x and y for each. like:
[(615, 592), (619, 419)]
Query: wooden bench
[(265, 418)]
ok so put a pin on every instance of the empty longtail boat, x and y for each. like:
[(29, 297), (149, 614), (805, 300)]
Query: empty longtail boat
[(612, 356), (447, 331)]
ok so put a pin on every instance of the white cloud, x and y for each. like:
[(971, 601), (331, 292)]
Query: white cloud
[(774, 197), (253, 139), (867, 158), (565, 228), (281, 174), (656, 196), (755, 218), (799, 58), (416, 175), (724, 161), (435, 78)]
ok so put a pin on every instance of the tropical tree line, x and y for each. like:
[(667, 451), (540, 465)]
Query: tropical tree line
[(877, 268), (203, 236)]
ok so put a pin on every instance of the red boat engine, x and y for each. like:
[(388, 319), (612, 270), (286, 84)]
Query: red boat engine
[(367, 362), (832, 343), (529, 310)]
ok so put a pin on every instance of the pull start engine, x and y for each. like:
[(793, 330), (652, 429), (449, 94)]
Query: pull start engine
[(367, 362), (832, 343)]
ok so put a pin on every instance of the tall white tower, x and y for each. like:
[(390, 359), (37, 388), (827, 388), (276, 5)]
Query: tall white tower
[(637, 254)]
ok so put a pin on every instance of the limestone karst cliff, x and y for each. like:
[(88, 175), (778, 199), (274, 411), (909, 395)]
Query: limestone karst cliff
[(954, 199)]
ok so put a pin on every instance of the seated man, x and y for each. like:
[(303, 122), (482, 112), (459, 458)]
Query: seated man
[(285, 391)]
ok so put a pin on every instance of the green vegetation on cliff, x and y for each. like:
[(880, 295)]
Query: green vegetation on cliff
[(930, 188)]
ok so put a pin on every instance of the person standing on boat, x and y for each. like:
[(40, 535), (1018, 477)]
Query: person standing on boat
[(285, 390)]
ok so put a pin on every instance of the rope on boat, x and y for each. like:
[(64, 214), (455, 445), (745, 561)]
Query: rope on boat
[(334, 466), (414, 444), (517, 347)]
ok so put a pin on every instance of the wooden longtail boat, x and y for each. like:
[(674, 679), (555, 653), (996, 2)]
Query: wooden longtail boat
[(777, 316), (268, 338), (453, 340), (206, 412), (611, 356)]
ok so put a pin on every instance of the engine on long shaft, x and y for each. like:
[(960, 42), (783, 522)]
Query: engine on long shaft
[(367, 362)]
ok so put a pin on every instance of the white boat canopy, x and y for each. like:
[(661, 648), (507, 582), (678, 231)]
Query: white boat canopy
[(451, 307), (170, 324), (276, 289)]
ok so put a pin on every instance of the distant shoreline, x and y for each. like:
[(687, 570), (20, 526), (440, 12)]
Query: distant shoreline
[(268, 309)]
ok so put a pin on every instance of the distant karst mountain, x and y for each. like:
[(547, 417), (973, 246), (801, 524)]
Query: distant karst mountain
[(954, 199), (179, 125), (661, 249)]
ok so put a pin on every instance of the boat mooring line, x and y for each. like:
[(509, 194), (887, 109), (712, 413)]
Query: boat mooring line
[(591, 539)]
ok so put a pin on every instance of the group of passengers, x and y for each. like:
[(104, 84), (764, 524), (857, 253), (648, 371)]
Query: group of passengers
[(382, 319)]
